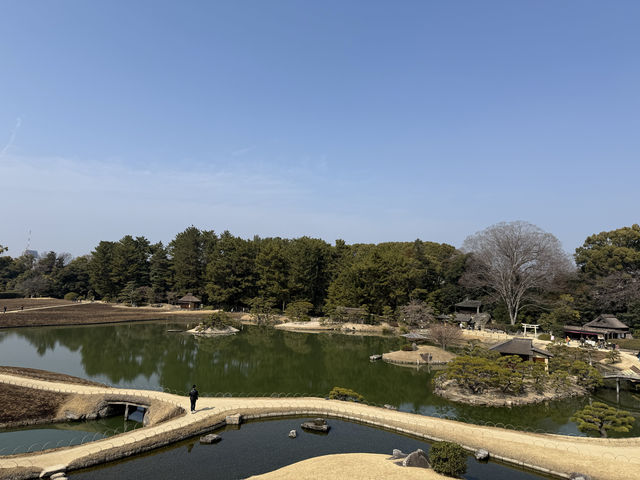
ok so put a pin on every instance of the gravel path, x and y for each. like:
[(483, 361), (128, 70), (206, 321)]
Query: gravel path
[(614, 459)]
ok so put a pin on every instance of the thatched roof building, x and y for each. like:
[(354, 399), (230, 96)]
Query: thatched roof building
[(604, 327), (189, 301)]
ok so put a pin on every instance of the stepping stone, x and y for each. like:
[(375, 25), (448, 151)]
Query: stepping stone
[(211, 438)]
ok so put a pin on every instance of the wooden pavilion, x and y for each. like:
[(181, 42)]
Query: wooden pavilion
[(523, 347), (190, 302)]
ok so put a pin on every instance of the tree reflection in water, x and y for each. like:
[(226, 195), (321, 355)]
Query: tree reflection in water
[(258, 361)]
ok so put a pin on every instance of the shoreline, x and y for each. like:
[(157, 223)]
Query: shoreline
[(546, 453), (494, 399)]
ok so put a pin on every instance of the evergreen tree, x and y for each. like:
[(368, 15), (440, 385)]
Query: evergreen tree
[(230, 274), (188, 260), (159, 272)]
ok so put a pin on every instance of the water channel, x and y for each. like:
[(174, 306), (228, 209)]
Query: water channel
[(260, 447)]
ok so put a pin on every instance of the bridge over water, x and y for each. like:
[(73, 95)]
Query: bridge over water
[(555, 455)]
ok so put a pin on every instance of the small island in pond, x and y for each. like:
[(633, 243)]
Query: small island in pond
[(218, 323), (517, 373)]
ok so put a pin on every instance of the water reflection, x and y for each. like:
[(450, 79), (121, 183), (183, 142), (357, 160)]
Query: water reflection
[(261, 361), (260, 447)]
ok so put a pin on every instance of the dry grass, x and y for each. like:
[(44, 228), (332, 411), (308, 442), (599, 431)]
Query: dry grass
[(14, 304), (20, 473), (86, 314), (47, 376), (22, 405)]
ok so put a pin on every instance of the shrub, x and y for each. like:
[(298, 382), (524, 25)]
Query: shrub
[(507, 327), (601, 418), (345, 394), (299, 311), (629, 343), (613, 356), (407, 348), (387, 331), (72, 296), (448, 458), (5, 295), (544, 336)]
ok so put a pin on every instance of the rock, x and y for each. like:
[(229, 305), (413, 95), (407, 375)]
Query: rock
[(398, 453), (375, 357), (579, 476), (145, 419), (390, 407), (293, 434), (233, 419), (72, 416), (211, 438), (481, 454), (91, 416), (58, 476), (416, 459), (318, 424), (50, 471)]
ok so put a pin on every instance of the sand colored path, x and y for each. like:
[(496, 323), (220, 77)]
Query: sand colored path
[(350, 465), (29, 309), (553, 454)]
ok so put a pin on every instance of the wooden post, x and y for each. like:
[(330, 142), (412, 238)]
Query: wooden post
[(617, 389), (126, 411)]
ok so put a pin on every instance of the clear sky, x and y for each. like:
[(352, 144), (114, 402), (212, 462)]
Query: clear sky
[(364, 120)]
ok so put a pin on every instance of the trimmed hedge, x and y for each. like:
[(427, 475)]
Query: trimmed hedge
[(11, 295), (627, 343)]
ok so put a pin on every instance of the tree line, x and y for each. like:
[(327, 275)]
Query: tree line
[(519, 272)]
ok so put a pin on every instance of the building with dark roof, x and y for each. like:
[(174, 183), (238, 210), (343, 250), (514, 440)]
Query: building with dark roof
[(604, 327), (523, 347), (189, 302), (469, 307), (467, 314)]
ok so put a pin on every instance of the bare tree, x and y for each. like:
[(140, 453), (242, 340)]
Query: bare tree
[(417, 313), (444, 334), (515, 260)]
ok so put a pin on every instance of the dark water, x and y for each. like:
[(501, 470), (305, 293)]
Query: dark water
[(61, 435), (260, 447), (265, 361)]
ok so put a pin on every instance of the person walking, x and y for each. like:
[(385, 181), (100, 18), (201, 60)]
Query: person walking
[(193, 396)]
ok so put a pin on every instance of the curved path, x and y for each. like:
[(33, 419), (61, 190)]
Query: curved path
[(615, 459)]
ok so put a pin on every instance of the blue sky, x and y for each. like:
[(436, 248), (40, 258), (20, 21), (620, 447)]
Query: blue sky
[(366, 120)]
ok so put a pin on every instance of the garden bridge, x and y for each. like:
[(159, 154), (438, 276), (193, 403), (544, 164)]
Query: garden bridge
[(554, 455)]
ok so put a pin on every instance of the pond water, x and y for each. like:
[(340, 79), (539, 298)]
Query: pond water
[(260, 447), (264, 361), (41, 437)]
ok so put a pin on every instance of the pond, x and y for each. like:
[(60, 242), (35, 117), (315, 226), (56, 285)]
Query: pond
[(260, 447), (41, 437), (262, 361)]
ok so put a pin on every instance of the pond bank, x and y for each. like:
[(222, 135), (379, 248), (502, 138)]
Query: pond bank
[(554, 455), (454, 393), (355, 466), (424, 355)]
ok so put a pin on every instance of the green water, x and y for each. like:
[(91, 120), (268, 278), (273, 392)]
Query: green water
[(264, 362)]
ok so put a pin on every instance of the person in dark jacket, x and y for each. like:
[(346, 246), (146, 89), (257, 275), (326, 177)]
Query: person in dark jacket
[(193, 396)]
